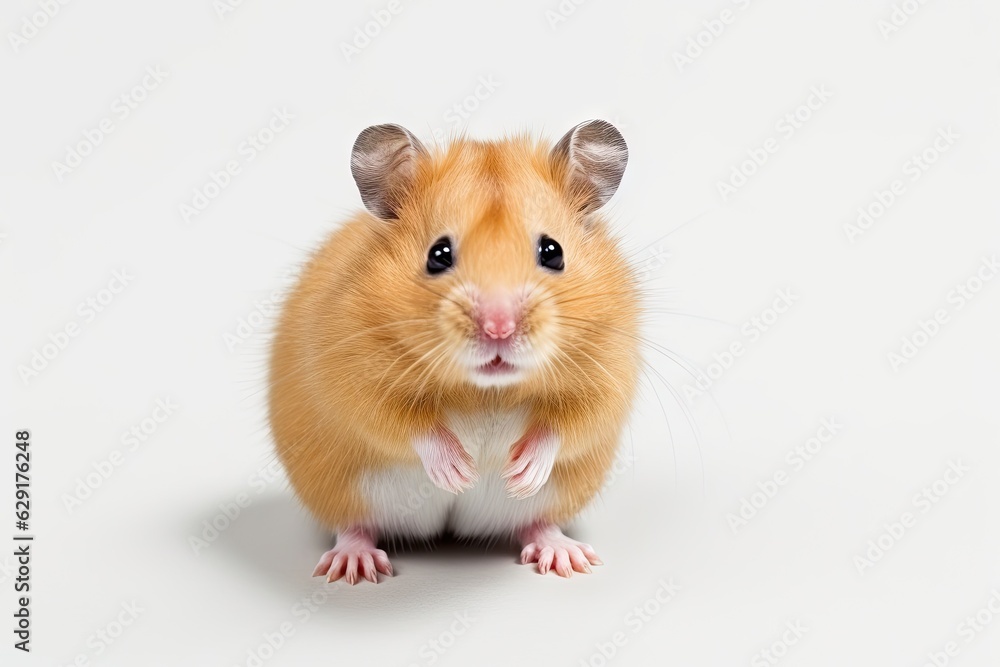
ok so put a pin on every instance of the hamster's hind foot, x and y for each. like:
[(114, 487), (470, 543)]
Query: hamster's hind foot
[(545, 544), (353, 557)]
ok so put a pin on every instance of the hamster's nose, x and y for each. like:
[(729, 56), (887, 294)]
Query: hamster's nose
[(497, 319), (502, 329)]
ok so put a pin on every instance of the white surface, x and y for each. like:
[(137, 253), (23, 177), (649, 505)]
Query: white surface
[(664, 514)]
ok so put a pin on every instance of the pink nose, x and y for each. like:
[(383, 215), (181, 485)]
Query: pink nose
[(499, 329), (498, 320)]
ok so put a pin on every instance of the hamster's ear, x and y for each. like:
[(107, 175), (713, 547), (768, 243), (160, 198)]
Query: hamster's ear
[(383, 162), (597, 154)]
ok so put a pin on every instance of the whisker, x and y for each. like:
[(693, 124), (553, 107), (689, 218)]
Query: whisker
[(666, 420), (676, 229), (689, 417), (272, 383), (594, 361), (675, 358), (442, 296), (412, 365)]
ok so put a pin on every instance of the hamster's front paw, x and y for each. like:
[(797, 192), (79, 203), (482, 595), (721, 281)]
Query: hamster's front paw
[(447, 463), (530, 464)]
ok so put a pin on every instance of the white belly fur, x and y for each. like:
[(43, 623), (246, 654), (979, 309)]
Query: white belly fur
[(403, 501)]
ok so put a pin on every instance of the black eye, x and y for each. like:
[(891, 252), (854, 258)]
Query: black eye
[(440, 259), (550, 254)]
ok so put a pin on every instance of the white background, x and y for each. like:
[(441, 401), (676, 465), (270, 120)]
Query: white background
[(665, 514)]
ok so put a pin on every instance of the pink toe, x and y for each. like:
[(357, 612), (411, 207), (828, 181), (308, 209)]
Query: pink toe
[(324, 563), (563, 568), (337, 567), (382, 563), (367, 563), (545, 559), (555, 551), (352, 569), (578, 560)]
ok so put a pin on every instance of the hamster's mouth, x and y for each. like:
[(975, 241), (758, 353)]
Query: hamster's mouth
[(497, 366)]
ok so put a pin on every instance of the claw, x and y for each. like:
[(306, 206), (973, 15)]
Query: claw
[(546, 545), (531, 462), (448, 465), (353, 558)]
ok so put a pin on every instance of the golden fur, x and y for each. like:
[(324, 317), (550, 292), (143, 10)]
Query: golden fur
[(362, 359)]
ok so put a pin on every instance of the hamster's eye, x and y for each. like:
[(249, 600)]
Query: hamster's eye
[(550, 254), (440, 257)]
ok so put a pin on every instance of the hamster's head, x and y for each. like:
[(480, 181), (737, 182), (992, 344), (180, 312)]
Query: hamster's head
[(491, 264)]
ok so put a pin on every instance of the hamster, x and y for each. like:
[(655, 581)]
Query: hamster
[(463, 355)]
